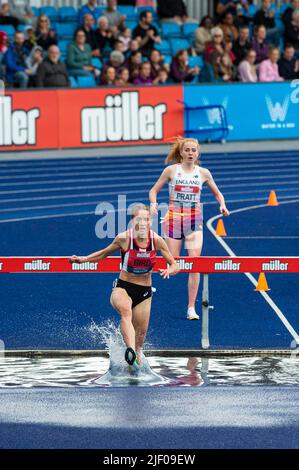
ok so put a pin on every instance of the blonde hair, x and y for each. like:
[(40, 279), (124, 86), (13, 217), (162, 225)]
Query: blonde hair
[(175, 151), (138, 207)]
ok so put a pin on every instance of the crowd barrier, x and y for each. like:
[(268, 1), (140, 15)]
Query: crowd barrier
[(78, 118)]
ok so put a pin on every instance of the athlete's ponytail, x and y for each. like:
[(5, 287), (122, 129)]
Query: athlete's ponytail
[(175, 151)]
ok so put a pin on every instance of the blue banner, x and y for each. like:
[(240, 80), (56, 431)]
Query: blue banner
[(254, 111)]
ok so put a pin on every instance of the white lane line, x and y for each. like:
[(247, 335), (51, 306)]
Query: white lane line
[(266, 296), (126, 173)]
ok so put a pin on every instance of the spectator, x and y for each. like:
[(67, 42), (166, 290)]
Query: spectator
[(6, 16), (125, 37), (52, 72), (203, 34), (116, 61), (30, 38), (146, 34), (228, 48), (90, 34), (119, 46), (230, 32), (3, 49), (14, 59), (156, 62), (108, 76), (45, 36), (144, 76), (133, 64), (22, 10), (242, 45), (232, 6), (123, 77), (79, 56), (259, 44), (173, 10), (287, 16), (247, 68), (268, 70), (105, 37), (265, 17), (288, 66), (222, 66), (216, 44), (115, 19), (33, 61), (179, 69), (91, 8), (291, 34), (133, 47), (162, 77)]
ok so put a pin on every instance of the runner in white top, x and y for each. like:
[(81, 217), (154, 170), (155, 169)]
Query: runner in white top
[(184, 218)]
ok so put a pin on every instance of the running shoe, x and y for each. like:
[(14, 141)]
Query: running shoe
[(130, 356), (191, 314)]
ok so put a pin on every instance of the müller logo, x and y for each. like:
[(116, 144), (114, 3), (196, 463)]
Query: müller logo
[(87, 266), (275, 265), (17, 127), (37, 265), (122, 119), (227, 265), (184, 265)]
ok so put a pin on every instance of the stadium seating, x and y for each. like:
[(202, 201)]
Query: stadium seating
[(86, 82), (188, 29), (97, 63), (129, 11), (67, 15), (163, 47), (51, 12), (170, 30), (196, 61), (65, 30), (74, 83), (178, 44), (8, 29)]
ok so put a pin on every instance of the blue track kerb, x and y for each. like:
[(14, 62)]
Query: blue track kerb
[(47, 207)]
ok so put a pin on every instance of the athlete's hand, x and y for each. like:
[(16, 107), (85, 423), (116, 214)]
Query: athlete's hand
[(224, 211), (164, 273), (77, 259), (154, 208)]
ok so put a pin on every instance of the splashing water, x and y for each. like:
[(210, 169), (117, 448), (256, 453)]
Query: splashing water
[(119, 372)]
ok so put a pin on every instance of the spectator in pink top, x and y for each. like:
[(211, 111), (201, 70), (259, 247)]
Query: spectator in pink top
[(247, 68), (268, 71)]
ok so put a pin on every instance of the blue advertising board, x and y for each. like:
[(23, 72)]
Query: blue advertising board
[(254, 111)]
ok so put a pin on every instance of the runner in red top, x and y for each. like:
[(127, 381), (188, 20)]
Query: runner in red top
[(132, 293)]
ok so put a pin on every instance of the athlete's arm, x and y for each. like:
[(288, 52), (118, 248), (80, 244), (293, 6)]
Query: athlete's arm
[(102, 254), (209, 180), (163, 248), (163, 179)]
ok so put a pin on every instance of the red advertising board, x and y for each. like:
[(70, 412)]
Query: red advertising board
[(90, 117)]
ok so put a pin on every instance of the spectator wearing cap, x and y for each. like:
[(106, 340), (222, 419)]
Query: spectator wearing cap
[(173, 10), (268, 69), (91, 7), (247, 68), (146, 33), (115, 19), (265, 16), (79, 56), (90, 34), (52, 73), (216, 44), (291, 34), (30, 37), (17, 72), (144, 76), (203, 34), (45, 36), (230, 32), (288, 65), (6, 16), (241, 45), (180, 70), (259, 44)]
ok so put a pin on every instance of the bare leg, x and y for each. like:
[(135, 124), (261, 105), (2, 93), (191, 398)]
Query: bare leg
[(122, 303), (141, 316), (194, 246), (174, 246)]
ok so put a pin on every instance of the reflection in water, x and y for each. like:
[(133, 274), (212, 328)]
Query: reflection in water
[(156, 371)]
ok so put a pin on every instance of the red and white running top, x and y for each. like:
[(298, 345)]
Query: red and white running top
[(185, 188), (139, 260)]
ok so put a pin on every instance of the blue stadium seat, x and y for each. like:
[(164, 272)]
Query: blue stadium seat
[(276, 10), (129, 11), (86, 82), (74, 83), (252, 10), (67, 15), (63, 45), (283, 7), (189, 29), (167, 59), (51, 12), (8, 29), (196, 61), (35, 11), (163, 47), (178, 44), (131, 24), (97, 63), (65, 30), (170, 30)]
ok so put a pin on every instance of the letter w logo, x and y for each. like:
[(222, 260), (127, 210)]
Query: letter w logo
[(277, 111), (214, 114)]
